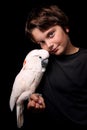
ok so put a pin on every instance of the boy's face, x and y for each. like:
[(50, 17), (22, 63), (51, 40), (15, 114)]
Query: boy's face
[(55, 39)]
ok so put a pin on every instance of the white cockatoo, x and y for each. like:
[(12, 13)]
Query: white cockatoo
[(27, 80)]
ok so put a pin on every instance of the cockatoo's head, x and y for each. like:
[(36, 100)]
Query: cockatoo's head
[(37, 59)]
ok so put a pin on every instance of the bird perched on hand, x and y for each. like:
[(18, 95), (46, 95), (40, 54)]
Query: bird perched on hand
[(27, 80)]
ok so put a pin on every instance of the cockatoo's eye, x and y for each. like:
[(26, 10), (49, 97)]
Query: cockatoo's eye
[(40, 57)]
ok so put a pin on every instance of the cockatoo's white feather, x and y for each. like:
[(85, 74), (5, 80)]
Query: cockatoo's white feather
[(28, 80)]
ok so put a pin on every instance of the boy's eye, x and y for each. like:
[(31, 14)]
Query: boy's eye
[(42, 42), (51, 34)]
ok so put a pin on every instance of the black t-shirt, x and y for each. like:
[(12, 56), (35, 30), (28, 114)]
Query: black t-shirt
[(64, 87)]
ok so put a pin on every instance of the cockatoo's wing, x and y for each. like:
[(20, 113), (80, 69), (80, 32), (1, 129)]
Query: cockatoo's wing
[(23, 81)]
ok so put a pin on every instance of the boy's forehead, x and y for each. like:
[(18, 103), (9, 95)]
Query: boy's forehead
[(37, 34)]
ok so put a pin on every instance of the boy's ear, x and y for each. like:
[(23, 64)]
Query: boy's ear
[(67, 30)]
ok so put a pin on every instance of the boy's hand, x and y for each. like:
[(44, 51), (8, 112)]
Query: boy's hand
[(36, 102)]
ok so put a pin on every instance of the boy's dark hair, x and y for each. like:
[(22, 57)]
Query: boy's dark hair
[(45, 17)]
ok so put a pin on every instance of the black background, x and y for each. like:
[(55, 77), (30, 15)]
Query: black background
[(14, 44)]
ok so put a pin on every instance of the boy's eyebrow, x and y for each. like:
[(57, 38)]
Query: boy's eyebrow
[(47, 34), (51, 29)]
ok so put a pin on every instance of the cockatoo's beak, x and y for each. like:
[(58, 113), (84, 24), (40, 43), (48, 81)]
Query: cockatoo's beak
[(44, 62)]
